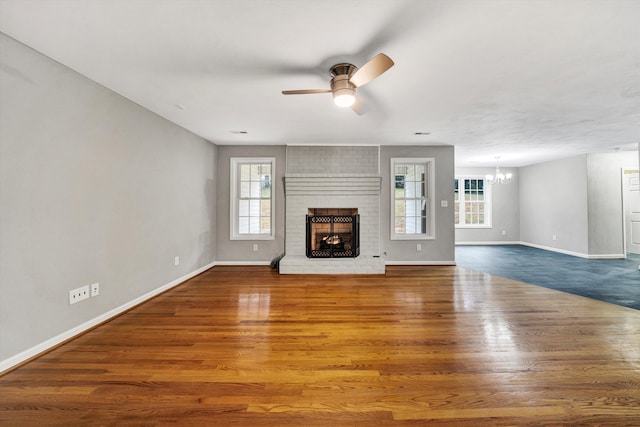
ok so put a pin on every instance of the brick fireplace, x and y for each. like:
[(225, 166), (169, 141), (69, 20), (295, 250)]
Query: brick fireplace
[(327, 192)]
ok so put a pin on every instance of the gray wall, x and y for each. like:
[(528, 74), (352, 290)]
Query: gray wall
[(505, 201), (442, 248), (553, 200), (606, 215), (93, 188), (242, 250), (579, 199)]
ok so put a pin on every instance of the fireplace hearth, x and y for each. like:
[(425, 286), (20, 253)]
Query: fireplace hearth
[(333, 233)]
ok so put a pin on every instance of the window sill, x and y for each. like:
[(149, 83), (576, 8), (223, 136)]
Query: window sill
[(252, 237), (412, 237)]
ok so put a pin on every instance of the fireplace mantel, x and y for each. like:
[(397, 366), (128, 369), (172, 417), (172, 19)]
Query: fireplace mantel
[(332, 184)]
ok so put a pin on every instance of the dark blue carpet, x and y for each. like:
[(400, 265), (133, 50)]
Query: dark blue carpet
[(612, 280)]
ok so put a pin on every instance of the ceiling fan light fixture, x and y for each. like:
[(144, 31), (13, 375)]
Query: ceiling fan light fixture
[(344, 92), (344, 97), (345, 78)]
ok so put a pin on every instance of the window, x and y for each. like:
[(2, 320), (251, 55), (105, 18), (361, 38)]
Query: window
[(472, 202), (412, 205), (252, 198)]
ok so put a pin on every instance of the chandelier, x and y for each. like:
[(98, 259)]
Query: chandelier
[(498, 177)]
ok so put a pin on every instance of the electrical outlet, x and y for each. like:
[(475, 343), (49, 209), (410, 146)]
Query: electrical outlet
[(418, 247), (95, 290), (504, 232), (79, 294), (255, 248), (554, 237), (176, 261)]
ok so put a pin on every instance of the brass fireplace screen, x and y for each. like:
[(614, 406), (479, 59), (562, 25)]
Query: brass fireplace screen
[(333, 233)]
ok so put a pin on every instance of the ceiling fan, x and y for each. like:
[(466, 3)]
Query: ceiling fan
[(346, 78)]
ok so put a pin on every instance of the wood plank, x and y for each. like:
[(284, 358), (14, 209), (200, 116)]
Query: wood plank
[(437, 344)]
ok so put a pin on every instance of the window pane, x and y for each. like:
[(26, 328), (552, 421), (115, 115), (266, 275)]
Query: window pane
[(411, 172), (265, 225), (400, 225), (399, 208), (254, 225), (243, 225), (255, 189), (265, 186), (410, 190), (410, 227), (266, 169), (245, 190), (254, 208), (265, 208), (410, 208), (399, 193), (243, 208), (456, 215), (245, 172), (399, 182), (255, 172)]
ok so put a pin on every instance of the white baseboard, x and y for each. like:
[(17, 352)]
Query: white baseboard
[(546, 248), (572, 253), (19, 358), (498, 242), (607, 256), (420, 263), (232, 263)]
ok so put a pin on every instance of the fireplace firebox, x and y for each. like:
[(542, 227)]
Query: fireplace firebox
[(333, 233)]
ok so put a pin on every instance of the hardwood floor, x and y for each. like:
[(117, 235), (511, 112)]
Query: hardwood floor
[(417, 346)]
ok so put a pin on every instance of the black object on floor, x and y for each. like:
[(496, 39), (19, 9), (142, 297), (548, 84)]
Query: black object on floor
[(612, 280)]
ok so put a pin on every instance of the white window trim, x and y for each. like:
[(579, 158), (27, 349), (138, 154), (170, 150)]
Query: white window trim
[(488, 204), (430, 190), (234, 199)]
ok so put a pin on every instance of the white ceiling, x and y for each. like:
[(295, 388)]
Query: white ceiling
[(529, 81)]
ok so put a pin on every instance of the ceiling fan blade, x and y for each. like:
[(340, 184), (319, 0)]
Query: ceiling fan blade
[(360, 107), (372, 69), (305, 91)]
